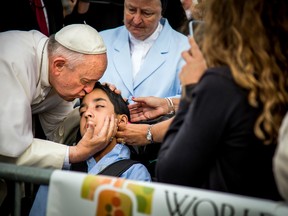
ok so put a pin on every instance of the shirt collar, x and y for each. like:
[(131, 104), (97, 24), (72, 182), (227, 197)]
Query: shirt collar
[(119, 152)]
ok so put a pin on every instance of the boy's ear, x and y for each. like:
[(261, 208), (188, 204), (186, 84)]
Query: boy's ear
[(122, 119)]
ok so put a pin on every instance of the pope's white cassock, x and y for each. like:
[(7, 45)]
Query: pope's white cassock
[(24, 91)]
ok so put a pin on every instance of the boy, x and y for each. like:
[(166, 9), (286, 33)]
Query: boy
[(94, 108)]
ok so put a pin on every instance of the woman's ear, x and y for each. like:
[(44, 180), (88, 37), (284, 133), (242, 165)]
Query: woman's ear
[(122, 119)]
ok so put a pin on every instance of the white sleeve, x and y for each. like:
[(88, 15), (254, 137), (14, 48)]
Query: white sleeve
[(66, 164), (16, 137), (16, 118), (41, 153), (281, 160)]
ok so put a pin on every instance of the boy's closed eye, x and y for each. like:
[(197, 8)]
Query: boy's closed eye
[(97, 106), (100, 106)]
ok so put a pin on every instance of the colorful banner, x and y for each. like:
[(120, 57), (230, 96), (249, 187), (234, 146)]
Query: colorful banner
[(72, 193)]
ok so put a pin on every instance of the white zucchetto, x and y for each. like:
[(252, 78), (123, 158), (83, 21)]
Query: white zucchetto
[(81, 38)]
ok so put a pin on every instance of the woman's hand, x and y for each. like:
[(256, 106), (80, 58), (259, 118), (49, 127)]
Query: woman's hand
[(195, 65), (147, 108), (132, 134), (112, 87), (135, 134)]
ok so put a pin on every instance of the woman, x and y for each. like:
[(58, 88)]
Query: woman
[(225, 132)]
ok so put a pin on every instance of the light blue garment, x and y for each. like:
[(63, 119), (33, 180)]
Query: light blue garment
[(158, 76), (119, 152)]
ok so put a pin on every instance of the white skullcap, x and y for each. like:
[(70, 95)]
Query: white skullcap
[(81, 38)]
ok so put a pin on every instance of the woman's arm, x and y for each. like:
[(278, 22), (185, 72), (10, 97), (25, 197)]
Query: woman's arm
[(136, 134)]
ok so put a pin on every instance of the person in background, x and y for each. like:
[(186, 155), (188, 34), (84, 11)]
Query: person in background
[(197, 10), (149, 134), (175, 14), (144, 55), (43, 15), (68, 6), (95, 106), (146, 108), (106, 14), (186, 4), (101, 15), (225, 132), (143, 51), (80, 6)]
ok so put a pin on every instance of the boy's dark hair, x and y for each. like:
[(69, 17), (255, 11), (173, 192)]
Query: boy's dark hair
[(120, 105)]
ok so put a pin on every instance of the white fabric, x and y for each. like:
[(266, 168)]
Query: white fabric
[(81, 38), (137, 56), (73, 193), (188, 14), (280, 162), (139, 48), (39, 154)]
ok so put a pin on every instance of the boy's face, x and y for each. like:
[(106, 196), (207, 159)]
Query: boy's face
[(93, 110)]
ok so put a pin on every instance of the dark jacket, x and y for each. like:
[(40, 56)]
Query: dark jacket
[(211, 142)]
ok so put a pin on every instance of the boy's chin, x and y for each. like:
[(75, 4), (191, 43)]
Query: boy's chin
[(85, 130)]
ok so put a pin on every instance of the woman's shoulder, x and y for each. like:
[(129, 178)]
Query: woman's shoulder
[(218, 80), (220, 71), (216, 75)]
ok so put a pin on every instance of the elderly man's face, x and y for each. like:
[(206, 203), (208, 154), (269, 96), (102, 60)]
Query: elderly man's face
[(141, 17), (75, 83)]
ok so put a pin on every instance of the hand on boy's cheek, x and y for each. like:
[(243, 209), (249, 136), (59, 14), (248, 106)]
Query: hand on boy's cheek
[(90, 125)]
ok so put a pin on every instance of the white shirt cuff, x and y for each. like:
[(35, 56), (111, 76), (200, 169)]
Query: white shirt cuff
[(66, 165)]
